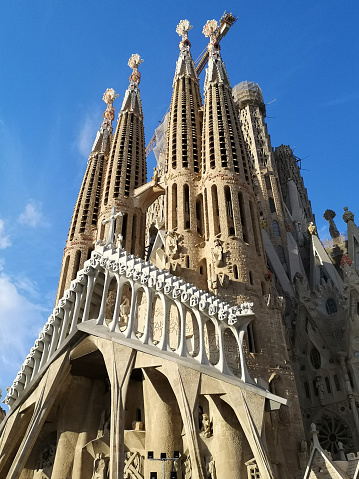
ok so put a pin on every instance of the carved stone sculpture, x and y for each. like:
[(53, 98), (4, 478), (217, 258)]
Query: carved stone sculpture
[(171, 243), (206, 426), (125, 310), (100, 467), (45, 462), (217, 253)]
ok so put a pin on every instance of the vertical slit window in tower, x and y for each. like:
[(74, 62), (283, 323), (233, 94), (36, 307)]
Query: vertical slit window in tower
[(64, 276), (76, 264), (89, 253), (229, 208), (98, 192), (124, 229), (250, 277), (187, 211), (137, 153), (206, 214), (119, 162), (337, 383), (133, 239), (113, 152), (199, 214), (187, 261), (272, 205), (212, 161), (217, 226), (88, 197), (174, 206), (251, 338), (307, 391), (235, 271), (242, 214), (268, 183), (174, 127), (221, 134), (74, 222), (129, 157), (254, 227)]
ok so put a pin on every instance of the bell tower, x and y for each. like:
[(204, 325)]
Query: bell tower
[(126, 169), (233, 235), (184, 208), (82, 232)]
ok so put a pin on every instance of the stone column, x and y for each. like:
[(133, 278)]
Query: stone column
[(163, 421)]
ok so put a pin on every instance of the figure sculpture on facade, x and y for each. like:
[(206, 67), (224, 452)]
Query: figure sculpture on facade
[(171, 243), (100, 467), (119, 241), (217, 253), (206, 426), (312, 229), (45, 462), (125, 310)]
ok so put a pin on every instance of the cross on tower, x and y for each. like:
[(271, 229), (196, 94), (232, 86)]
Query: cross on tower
[(112, 221)]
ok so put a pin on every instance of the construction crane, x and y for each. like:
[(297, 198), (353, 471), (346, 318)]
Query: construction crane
[(225, 23)]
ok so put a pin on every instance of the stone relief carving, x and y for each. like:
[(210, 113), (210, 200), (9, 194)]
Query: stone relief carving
[(217, 253), (125, 310), (187, 468), (206, 426), (171, 239), (133, 465), (45, 463), (100, 467), (211, 469)]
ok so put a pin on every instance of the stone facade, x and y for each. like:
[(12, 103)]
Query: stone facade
[(198, 315)]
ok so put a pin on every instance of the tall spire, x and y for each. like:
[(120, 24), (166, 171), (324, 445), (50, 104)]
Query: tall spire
[(132, 100), (126, 169), (216, 71), (183, 166), (185, 65), (82, 233)]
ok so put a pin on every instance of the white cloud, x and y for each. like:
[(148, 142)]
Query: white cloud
[(20, 322), (4, 239), (32, 215), (87, 134)]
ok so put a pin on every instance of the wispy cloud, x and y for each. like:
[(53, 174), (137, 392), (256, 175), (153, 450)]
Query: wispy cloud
[(5, 241), (87, 134), (32, 215), (21, 320), (340, 100)]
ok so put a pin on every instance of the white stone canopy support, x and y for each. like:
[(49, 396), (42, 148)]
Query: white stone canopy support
[(86, 300)]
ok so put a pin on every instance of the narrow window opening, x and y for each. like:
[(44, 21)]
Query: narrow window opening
[(187, 215)]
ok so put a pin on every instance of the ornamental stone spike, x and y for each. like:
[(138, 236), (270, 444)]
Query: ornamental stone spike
[(134, 62), (210, 30), (183, 28), (109, 97)]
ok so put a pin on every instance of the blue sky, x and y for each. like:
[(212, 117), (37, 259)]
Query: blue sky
[(58, 57)]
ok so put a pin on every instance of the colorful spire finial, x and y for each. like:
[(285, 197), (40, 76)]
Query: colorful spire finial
[(183, 28), (134, 62), (210, 29), (109, 97)]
